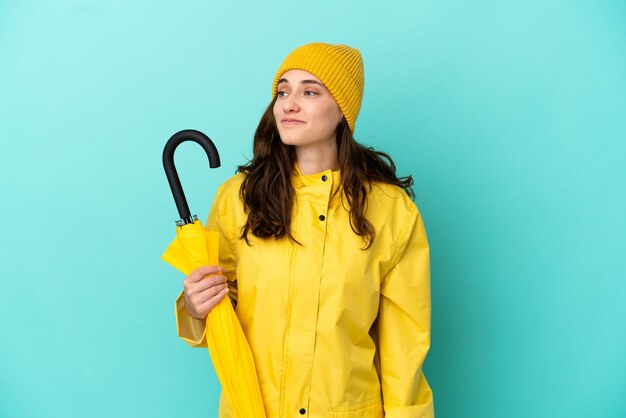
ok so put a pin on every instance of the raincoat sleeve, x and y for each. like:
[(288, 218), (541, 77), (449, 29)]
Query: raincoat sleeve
[(404, 325), (190, 329)]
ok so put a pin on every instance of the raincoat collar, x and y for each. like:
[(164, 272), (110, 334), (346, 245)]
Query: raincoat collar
[(315, 185)]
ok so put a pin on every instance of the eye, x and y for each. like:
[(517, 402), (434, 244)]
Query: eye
[(313, 93), (281, 93)]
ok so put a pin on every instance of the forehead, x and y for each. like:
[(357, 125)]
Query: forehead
[(296, 76)]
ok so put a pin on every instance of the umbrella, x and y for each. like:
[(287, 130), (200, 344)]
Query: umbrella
[(193, 247)]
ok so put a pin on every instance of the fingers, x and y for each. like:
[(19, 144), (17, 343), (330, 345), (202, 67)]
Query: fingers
[(212, 285), (201, 272), (206, 283), (200, 305), (208, 306), (199, 292), (205, 287), (192, 288)]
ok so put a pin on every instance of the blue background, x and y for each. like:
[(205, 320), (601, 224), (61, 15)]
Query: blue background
[(510, 115)]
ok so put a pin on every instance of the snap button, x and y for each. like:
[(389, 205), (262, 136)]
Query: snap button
[(322, 217), (302, 411), (324, 177)]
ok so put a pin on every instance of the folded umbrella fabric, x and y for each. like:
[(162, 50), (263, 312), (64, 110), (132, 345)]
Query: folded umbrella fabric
[(193, 247)]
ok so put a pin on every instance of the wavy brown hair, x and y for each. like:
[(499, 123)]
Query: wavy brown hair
[(268, 194)]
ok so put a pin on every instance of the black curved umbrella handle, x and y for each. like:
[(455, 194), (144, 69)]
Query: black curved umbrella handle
[(172, 174)]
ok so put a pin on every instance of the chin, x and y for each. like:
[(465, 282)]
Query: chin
[(289, 140)]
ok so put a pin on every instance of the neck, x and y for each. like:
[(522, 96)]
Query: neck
[(318, 159)]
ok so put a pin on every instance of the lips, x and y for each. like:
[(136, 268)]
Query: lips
[(291, 121)]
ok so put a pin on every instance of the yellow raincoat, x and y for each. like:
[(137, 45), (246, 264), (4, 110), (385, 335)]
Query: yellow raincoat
[(335, 330)]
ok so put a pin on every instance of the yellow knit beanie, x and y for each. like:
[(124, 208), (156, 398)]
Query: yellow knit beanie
[(339, 67)]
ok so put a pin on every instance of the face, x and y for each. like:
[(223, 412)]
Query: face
[(306, 113)]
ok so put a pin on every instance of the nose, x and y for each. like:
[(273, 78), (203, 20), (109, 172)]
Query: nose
[(290, 104)]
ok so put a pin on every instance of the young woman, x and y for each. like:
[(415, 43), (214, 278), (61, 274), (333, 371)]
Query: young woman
[(323, 253)]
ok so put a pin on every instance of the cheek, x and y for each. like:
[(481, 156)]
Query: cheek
[(331, 115)]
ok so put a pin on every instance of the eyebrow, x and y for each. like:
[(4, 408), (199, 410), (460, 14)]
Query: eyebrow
[(284, 80)]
